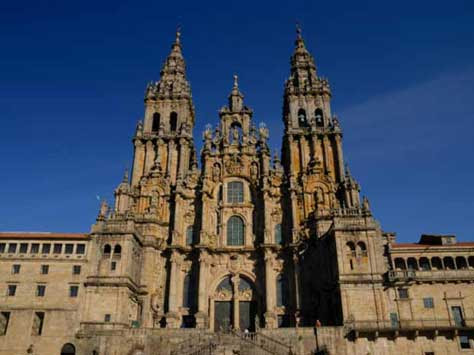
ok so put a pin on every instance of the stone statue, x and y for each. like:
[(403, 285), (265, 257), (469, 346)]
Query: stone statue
[(235, 135)]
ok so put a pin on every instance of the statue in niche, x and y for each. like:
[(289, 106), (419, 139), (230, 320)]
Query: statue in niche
[(235, 135), (263, 131), (254, 171), (216, 172)]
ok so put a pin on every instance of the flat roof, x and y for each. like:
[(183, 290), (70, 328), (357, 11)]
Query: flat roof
[(43, 235)]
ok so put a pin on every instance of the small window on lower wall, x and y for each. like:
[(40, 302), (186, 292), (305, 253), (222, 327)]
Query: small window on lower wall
[(40, 290), (73, 291), (428, 302), (107, 318), (403, 293), (465, 340)]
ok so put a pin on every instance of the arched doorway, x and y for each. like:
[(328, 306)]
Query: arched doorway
[(68, 349), (234, 304)]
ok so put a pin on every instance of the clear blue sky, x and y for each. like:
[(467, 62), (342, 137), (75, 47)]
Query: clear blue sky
[(73, 74)]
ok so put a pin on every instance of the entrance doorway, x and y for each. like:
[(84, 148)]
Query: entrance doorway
[(235, 305)]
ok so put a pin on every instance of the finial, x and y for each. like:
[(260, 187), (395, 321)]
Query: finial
[(178, 34), (125, 176), (236, 81), (298, 30)]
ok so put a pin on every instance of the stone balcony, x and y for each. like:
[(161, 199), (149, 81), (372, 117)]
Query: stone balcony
[(404, 276)]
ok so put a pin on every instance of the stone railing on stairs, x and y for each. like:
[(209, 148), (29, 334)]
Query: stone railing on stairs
[(266, 343)]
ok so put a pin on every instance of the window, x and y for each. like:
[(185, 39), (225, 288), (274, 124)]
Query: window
[(80, 248), (173, 121), (461, 262), (2, 247), (73, 291), (302, 122), (457, 316), (44, 269), (57, 248), (156, 122), (16, 269), (46, 248), (107, 250), (189, 236), (107, 318), (4, 319), (449, 263), (188, 291), (68, 349), (425, 264), (402, 293), (38, 320), (351, 249), (412, 264), (12, 248), (35, 247), (394, 320), (235, 192), (282, 291), (40, 290), (278, 236), (318, 117), (400, 264), (235, 231), (464, 342), (428, 302), (69, 248), (23, 248), (117, 250), (11, 290), (113, 266), (76, 269), (361, 249)]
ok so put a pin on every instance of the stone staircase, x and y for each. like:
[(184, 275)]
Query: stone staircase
[(232, 343)]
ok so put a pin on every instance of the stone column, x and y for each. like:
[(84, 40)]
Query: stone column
[(340, 158), (138, 162), (202, 314), (150, 156), (327, 166), (172, 317), (235, 283), (296, 270), (270, 316)]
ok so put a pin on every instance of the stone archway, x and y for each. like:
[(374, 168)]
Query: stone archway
[(234, 304)]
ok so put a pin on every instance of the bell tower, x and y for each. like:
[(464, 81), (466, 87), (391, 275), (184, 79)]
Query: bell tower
[(168, 123)]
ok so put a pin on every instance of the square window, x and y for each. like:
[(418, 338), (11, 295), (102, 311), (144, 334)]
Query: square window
[(35, 247), (11, 290), (113, 265), (80, 248), (428, 302), (16, 269), (23, 248), (44, 269), (2, 247), (107, 318), (402, 293), (69, 248), (57, 248), (76, 269), (235, 192), (46, 249), (464, 342), (12, 248), (40, 290), (73, 291)]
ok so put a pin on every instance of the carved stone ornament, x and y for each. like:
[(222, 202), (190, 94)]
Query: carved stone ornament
[(233, 165)]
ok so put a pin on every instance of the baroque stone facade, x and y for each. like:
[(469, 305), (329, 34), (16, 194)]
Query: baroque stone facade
[(272, 255)]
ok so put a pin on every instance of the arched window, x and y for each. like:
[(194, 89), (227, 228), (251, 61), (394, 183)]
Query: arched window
[(117, 250), (318, 117), (302, 121), (471, 262), (225, 285), (436, 263), (188, 291), (156, 122), (361, 249), (278, 236), (282, 291), (400, 264), (425, 264), (189, 236), (449, 263), (351, 249), (68, 349), (461, 262), (173, 121), (235, 231), (235, 192), (412, 264), (107, 249), (244, 285)]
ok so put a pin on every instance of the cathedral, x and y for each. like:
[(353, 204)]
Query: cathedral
[(245, 252)]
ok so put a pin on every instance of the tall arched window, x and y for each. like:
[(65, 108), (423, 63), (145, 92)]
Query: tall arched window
[(235, 231), (318, 117), (117, 250), (425, 264), (449, 263), (412, 264), (156, 122), (400, 264), (278, 236), (282, 291), (107, 249), (68, 349), (302, 121), (351, 249), (436, 263), (361, 249), (461, 262), (188, 291), (235, 192), (173, 121), (189, 236)]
